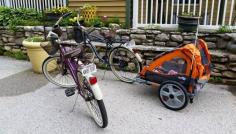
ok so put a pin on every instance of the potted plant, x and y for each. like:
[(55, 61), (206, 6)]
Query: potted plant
[(88, 12), (55, 13), (188, 22), (35, 52)]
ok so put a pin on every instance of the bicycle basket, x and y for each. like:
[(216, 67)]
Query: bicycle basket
[(49, 48), (78, 34)]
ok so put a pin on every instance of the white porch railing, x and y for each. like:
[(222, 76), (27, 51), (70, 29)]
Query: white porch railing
[(36, 4), (165, 12)]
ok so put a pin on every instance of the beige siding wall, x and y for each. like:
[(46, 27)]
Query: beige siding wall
[(110, 8)]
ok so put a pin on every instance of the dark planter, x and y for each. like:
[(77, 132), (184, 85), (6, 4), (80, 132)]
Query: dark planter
[(52, 16), (188, 24)]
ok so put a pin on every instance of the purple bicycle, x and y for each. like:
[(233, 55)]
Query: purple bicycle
[(77, 72)]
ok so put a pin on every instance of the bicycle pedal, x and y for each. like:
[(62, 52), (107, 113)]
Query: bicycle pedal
[(89, 98), (69, 92)]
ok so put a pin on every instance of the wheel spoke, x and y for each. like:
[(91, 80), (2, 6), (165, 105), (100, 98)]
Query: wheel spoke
[(170, 102), (53, 71), (164, 93), (178, 102), (171, 89), (178, 93), (173, 96)]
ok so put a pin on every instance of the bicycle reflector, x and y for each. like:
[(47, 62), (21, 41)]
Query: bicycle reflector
[(92, 80)]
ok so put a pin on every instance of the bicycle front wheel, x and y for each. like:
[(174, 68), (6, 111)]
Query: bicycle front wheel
[(124, 64), (98, 112), (96, 107), (55, 72)]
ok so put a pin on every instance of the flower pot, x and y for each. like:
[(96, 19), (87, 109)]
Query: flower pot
[(36, 55), (52, 16), (88, 14), (188, 24)]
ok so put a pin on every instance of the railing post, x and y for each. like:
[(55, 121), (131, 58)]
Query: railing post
[(7, 2), (135, 13), (65, 2)]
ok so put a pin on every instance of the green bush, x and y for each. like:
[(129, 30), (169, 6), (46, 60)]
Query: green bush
[(107, 21), (20, 16), (35, 39), (59, 10), (17, 55), (89, 7), (29, 17), (9, 54), (2, 51), (20, 55), (215, 79), (224, 29)]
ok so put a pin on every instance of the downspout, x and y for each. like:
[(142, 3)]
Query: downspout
[(128, 13)]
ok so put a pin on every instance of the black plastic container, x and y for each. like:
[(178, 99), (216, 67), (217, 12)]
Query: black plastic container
[(188, 24), (52, 16)]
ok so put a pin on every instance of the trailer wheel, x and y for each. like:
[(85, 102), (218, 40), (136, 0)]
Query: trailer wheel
[(173, 95)]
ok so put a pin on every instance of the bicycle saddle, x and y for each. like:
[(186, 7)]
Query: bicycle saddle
[(73, 53), (108, 35)]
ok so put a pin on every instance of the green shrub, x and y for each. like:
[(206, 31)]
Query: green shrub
[(215, 79), (96, 22), (224, 29), (9, 54), (29, 17), (2, 50), (35, 39), (20, 55), (20, 16), (107, 21), (115, 20), (17, 55), (59, 10)]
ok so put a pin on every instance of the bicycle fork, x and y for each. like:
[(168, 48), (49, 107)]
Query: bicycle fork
[(136, 54), (94, 86)]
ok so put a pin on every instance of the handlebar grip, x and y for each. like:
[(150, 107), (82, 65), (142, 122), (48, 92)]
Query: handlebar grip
[(66, 15)]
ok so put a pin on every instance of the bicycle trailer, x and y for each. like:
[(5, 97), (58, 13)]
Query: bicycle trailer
[(180, 72)]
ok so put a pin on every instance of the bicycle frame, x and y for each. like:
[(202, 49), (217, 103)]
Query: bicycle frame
[(71, 64), (109, 46)]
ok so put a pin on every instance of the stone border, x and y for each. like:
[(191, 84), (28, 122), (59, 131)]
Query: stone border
[(150, 43)]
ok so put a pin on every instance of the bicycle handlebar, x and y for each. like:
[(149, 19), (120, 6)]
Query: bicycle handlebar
[(62, 17), (66, 15)]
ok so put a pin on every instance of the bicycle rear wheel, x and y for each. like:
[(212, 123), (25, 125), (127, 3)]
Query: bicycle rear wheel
[(96, 107), (54, 71), (124, 64)]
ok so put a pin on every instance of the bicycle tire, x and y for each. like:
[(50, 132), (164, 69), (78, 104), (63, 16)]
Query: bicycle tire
[(89, 99), (125, 64), (53, 65)]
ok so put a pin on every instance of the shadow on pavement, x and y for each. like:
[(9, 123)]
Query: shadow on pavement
[(232, 89), (20, 83)]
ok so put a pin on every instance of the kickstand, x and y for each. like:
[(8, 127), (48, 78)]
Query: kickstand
[(74, 104), (104, 74)]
